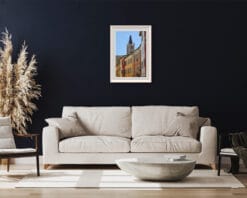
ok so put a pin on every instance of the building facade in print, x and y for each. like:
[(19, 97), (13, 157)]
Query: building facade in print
[(143, 53), (118, 67), (133, 64)]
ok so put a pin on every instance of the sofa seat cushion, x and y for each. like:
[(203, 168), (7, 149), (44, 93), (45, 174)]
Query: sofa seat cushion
[(176, 144), (99, 144)]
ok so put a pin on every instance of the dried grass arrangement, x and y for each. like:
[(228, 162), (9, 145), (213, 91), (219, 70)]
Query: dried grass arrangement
[(18, 87)]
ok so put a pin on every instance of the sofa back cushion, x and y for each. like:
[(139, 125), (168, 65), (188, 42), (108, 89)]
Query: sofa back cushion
[(112, 121), (154, 120)]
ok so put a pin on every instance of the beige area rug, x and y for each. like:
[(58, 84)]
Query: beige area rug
[(112, 179)]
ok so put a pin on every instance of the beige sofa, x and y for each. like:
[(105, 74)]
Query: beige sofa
[(126, 132)]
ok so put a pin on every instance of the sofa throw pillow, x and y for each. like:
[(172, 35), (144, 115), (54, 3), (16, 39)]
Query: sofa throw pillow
[(68, 126), (201, 120), (186, 126)]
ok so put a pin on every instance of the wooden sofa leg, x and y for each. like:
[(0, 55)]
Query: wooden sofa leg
[(8, 164), (213, 166), (46, 166)]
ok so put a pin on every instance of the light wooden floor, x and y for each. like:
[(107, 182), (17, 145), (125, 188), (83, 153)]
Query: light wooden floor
[(76, 192)]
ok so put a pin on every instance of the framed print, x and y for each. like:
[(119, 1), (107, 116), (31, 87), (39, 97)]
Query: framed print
[(130, 54)]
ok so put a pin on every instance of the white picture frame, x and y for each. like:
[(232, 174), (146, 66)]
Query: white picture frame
[(133, 65)]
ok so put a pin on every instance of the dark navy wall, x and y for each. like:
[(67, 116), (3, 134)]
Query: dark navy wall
[(199, 54)]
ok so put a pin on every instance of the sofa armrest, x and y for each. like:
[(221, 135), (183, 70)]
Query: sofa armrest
[(50, 140), (208, 138)]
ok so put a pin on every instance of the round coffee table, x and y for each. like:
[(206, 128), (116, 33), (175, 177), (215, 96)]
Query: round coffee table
[(157, 168)]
